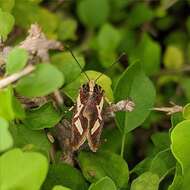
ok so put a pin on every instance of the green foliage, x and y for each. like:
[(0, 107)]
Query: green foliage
[(16, 60), (180, 142), (5, 136), (67, 65), (186, 111), (6, 24), (148, 180), (67, 29), (22, 169), (93, 13), (7, 5), (136, 82), (30, 140), (148, 52), (10, 107), (59, 187), (173, 58), (140, 13), (104, 183), (34, 136), (42, 117), (40, 83), (96, 166), (64, 175), (108, 40)]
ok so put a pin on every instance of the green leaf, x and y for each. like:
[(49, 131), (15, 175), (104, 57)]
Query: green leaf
[(101, 164), (134, 84), (22, 169), (107, 41), (30, 140), (178, 179), (67, 29), (140, 14), (142, 166), (148, 52), (67, 65), (6, 140), (180, 144), (64, 175), (104, 183), (161, 140), (42, 117), (162, 163), (108, 38), (7, 5), (72, 89), (59, 187), (33, 13), (10, 107), (16, 60), (6, 24), (173, 58), (147, 180), (40, 83), (93, 13), (185, 85), (6, 109), (186, 111), (175, 119), (108, 135)]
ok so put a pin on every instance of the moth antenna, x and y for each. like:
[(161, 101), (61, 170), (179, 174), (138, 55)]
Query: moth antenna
[(77, 62), (111, 65)]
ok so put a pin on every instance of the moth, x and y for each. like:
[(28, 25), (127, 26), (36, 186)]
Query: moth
[(87, 120)]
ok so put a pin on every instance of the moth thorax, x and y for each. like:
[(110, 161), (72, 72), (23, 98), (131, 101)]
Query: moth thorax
[(91, 86), (89, 111)]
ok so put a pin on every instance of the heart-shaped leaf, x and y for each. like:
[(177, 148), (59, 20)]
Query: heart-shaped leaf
[(134, 84), (22, 169)]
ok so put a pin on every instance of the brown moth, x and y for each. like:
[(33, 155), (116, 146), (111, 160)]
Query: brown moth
[(87, 121)]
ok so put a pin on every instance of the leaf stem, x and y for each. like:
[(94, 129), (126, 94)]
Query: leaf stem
[(123, 145)]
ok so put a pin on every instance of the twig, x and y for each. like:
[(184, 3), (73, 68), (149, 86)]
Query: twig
[(58, 98), (36, 43), (169, 110), (14, 77), (123, 105)]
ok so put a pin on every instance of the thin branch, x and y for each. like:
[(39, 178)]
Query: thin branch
[(169, 110), (14, 77), (37, 43), (123, 105)]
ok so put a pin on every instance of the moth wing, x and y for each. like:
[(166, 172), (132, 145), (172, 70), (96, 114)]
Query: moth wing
[(93, 135), (79, 132)]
